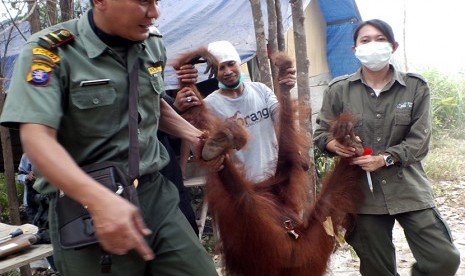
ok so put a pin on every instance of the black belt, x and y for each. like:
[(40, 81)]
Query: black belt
[(140, 181)]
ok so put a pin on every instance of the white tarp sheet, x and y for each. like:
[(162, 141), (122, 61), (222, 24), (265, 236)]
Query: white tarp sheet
[(187, 25)]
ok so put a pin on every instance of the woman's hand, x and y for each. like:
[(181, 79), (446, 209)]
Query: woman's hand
[(369, 163), (340, 149)]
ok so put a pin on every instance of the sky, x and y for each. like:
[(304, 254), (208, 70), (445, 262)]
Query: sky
[(434, 36)]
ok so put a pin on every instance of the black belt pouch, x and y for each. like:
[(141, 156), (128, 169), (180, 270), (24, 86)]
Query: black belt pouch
[(74, 222)]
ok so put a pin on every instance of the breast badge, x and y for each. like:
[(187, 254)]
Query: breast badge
[(155, 69)]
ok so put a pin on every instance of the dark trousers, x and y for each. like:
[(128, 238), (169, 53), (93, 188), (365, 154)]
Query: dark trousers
[(427, 235), (177, 248)]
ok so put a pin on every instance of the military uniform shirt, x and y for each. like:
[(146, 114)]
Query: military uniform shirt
[(398, 121), (91, 119)]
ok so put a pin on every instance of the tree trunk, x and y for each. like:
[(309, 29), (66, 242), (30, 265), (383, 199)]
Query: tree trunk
[(8, 164), (9, 174), (280, 28), (262, 54), (52, 14), (404, 37), (272, 36), (302, 66), (66, 7), (34, 19)]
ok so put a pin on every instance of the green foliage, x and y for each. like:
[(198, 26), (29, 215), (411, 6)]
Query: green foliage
[(448, 103), (11, 273), (446, 158), (323, 164), (4, 210)]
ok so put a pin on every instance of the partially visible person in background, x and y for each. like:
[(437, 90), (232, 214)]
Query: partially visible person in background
[(394, 120), (27, 178), (36, 209)]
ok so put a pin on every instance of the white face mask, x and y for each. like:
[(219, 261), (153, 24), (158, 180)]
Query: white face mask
[(374, 55)]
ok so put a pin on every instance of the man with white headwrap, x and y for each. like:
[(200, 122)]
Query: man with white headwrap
[(252, 104)]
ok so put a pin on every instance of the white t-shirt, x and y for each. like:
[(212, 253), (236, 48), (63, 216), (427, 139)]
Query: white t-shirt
[(257, 109)]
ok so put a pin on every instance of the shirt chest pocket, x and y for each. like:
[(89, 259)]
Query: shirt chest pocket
[(94, 110), (149, 96), (403, 117)]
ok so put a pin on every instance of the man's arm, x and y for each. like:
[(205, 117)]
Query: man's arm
[(117, 223), (172, 123)]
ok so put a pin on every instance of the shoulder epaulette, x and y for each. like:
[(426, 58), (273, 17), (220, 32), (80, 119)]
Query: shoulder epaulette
[(337, 79), (56, 39), (418, 76), (153, 31)]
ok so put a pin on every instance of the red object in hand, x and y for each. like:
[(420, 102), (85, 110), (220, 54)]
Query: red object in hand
[(367, 151)]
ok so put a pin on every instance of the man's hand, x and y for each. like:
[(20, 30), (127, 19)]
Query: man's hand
[(185, 99), (119, 226), (31, 177), (187, 74), (289, 78), (214, 165), (117, 223)]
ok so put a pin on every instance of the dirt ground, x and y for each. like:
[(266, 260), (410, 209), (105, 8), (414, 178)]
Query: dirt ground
[(451, 204)]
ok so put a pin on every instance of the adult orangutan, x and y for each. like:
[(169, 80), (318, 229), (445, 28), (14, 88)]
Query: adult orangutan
[(270, 227)]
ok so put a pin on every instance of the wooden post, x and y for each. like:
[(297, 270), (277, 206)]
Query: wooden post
[(262, 53), (302, 66)]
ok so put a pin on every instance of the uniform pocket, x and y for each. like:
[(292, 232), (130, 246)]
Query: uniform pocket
[(157, 84), (94, 110), (403, 117), (442, 224)]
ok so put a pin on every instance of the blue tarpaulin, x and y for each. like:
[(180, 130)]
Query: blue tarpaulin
[(341, 17)]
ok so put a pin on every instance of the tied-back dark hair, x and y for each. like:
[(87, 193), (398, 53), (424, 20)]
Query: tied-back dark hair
[(382, 26)]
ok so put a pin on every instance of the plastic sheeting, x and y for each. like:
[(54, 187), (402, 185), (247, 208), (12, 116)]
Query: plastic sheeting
[(341, 17), (15, 43), (187, 25)]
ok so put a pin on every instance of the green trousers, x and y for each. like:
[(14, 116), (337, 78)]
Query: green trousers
[(177, 249), (427, 235)]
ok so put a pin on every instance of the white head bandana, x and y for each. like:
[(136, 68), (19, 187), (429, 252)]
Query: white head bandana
[(224, 51)]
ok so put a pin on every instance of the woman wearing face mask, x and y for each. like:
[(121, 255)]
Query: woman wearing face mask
[(394, 120)]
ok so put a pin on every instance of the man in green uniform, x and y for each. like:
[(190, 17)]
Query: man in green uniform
[(73, 78)]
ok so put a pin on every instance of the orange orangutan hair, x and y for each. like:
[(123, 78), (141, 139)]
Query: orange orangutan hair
[(271, 228)]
